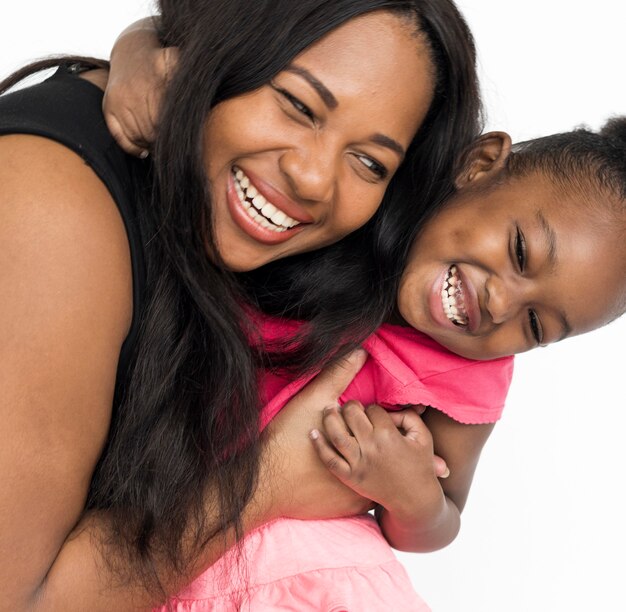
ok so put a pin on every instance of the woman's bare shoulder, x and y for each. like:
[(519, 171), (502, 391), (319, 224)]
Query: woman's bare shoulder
[(50, 199), (65, 308)]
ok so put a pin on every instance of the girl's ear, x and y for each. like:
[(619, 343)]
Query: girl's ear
[(484, 159)]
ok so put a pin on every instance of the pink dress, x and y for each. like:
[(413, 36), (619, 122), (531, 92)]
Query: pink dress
[(346, 565), (338, 565)]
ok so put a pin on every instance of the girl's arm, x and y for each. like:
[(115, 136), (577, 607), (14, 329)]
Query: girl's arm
[(365, 450), (460, 445), (140, 70)]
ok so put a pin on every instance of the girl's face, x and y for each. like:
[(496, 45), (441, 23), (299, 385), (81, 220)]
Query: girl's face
[(304, 160), (519, 265)]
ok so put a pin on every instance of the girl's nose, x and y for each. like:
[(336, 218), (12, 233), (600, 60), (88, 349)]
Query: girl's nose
[(312, 173), (503, 300)]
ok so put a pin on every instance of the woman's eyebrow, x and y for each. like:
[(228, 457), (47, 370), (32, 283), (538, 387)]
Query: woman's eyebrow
[(331, 102), (390, 143), (324, 93)]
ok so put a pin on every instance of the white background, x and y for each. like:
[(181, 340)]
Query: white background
[(544, 529)]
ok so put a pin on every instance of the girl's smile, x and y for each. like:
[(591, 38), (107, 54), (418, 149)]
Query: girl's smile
[(510, 264), (306, 159), (454, 297)]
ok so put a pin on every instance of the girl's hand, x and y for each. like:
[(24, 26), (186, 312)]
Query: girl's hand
[(140, 71), (293, 482), (386, 457)]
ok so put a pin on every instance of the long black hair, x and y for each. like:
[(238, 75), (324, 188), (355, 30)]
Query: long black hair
[(186, 434), (189, 424)]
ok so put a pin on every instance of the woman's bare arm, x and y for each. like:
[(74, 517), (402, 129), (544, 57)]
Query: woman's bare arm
[(65, 310), (64, 313)]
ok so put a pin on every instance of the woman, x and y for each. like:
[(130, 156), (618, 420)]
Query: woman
[(180, 460)]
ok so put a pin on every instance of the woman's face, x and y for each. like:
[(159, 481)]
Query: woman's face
[(503, 270), (304, 160)]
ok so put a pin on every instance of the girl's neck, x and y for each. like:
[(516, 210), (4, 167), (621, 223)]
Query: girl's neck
[(395, 318)]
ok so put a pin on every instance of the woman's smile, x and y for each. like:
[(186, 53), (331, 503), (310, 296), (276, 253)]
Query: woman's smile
[(262, 211), (304, 160)]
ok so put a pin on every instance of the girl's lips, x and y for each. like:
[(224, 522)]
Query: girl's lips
[(469, 299), (249, 226), (471, 302)]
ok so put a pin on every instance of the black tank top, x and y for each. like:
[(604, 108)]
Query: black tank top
[(68, 109)]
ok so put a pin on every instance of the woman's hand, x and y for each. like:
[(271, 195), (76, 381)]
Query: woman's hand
[(293, 480), (140, 71), (386, 457)]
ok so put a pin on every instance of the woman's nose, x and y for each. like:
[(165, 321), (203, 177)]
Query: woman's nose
[(312, 173), (504, 298)]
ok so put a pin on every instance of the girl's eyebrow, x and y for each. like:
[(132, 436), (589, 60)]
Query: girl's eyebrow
[(550, 239), (324, 93), (553, 261)]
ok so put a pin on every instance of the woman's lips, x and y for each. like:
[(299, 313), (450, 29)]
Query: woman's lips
[(258, 216), (278, 199)]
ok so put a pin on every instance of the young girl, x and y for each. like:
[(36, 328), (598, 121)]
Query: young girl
[(129, 398), (509, 264)]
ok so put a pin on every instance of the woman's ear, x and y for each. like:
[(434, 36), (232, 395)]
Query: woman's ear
[(484, 159)]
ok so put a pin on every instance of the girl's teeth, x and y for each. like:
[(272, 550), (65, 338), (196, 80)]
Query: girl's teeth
[(452, 299), (258, 208)]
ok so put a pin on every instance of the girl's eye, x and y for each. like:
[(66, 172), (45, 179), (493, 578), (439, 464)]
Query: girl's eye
[(299, 106), (535, 326), (520, 250), (373, 166)]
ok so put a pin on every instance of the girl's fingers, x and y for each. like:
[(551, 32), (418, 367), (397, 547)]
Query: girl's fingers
[(169, 59), (414, 428), (380, 418), (125, 140), (357, 420), (440, 467), (411, 423), (339, 435), (333, 461)]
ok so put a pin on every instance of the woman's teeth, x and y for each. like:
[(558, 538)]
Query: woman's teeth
[(452, 298), (263, 212)]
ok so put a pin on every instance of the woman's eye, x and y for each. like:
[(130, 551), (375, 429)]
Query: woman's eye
[(520, 250), (373, 166), (535, 326), (297, 104)]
